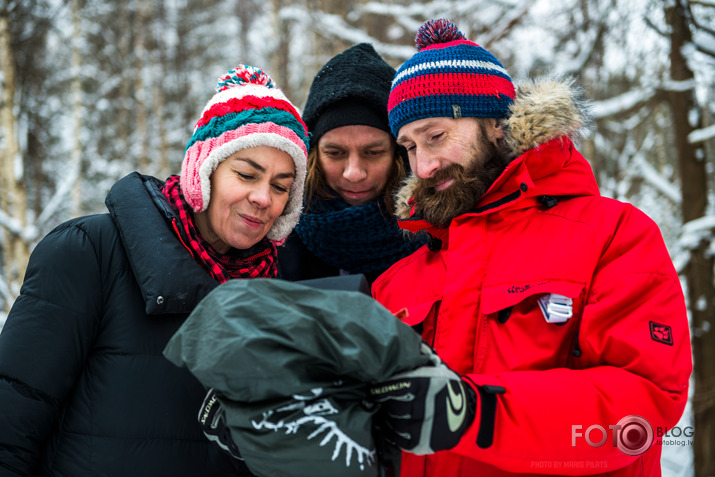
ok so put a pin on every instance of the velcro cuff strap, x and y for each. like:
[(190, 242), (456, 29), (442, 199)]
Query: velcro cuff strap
[(488, 403)]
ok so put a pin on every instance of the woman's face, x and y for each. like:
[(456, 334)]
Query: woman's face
[(357, 161), (249, 191)]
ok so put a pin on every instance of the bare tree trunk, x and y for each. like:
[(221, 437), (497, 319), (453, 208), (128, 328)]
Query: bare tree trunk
[(7, 121), (140, 88), (699, 271), (246, 12), (280, 69), (76, 154), (375, 25), (13, 198), (125, 49), (158, 94), (332, 46), (322, 46)]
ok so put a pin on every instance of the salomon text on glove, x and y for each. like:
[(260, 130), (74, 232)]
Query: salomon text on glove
[(213, 423), (425, 410)]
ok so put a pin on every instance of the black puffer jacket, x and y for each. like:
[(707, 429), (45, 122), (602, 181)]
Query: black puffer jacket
[(84, 388)]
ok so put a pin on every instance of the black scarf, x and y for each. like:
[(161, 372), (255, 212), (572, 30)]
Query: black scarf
[(359, 239)]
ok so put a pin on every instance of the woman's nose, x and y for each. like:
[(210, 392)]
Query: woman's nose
[(354, 169), (261, 195)]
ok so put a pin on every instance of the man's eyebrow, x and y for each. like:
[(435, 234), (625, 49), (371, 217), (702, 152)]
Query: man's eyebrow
[(260, 168), (419, 130)]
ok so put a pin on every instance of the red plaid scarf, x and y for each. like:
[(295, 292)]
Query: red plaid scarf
[(259, 263)]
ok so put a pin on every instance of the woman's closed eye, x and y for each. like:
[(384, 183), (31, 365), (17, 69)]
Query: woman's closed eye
[(246, 176), (375, 152), (280, 188), (333, 153)]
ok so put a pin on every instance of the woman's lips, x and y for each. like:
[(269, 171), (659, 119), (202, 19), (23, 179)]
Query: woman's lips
[(356, 194), (252, 222)]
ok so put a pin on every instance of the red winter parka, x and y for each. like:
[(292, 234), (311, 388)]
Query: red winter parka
[(552, 396)]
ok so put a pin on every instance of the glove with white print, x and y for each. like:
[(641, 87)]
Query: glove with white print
[(425, 410), (213, 423)]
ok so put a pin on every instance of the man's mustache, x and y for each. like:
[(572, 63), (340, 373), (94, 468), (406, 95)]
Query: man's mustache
[(452, 171)]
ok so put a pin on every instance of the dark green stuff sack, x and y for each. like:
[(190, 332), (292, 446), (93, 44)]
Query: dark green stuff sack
[(291, 365)]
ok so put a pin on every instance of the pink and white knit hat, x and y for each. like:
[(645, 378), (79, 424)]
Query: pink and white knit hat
[(247, 111)]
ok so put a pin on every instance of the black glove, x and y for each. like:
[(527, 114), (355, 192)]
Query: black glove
[(213, 423), (427, 409)]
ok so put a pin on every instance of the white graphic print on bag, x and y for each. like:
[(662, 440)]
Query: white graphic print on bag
[(309, 410)]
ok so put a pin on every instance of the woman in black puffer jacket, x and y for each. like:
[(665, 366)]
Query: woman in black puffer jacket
[(84, 388)]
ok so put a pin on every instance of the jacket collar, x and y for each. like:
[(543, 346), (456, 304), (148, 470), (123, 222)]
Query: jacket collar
[(171, 281)]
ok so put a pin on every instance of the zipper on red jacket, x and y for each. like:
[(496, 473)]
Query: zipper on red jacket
[(504, 200), (504, 315), (576, 351), (434, 244), (548, 201)]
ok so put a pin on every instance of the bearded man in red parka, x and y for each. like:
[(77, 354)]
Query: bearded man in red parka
[(556, 316)]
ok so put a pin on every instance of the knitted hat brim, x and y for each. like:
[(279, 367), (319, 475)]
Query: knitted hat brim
[(348, 112)]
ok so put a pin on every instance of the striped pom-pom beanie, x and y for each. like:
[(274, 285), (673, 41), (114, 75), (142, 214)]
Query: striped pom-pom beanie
[(247, 111), (449, 76)]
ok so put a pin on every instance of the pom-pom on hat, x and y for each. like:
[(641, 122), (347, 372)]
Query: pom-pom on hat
[(247, 111), (449, 76), (351, 89)]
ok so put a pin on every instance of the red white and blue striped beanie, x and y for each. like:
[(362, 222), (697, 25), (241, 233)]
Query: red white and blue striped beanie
[(247, 111), (449, 76)]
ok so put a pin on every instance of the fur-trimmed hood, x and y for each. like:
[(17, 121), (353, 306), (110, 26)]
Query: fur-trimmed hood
[(544, 109)]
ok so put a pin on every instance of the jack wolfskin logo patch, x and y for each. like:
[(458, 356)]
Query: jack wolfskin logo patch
[(661, 333)]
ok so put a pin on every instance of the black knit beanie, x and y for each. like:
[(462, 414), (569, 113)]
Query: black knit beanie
[(351, 89)]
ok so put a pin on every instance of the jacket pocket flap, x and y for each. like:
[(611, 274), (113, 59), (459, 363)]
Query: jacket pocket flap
[(500, 297), (416, 314)]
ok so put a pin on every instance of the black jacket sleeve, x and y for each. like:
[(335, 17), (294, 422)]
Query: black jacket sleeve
[(44, 343)]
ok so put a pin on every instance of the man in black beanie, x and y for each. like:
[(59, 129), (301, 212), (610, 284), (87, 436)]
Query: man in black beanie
[(354, 167)]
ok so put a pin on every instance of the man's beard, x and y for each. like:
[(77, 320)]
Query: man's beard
[(439, 207)]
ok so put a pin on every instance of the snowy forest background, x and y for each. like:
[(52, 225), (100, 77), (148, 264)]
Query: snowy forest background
[(93, 89)]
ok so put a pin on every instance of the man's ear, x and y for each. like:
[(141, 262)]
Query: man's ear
[(495, 130)]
